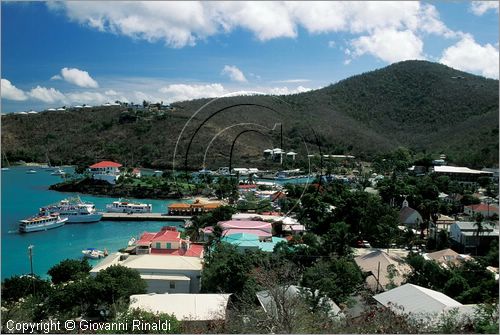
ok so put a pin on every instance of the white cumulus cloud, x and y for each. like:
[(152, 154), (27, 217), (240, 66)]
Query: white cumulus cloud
[(181, 24), (86, 97), (111, 92), (48, 95), (76, 77), (389, 45), (468, 55), (234, 73), (180, 92), (481, 7), (11, 92)]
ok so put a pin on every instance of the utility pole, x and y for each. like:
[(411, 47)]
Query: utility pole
[(281, 144), (30, 253)]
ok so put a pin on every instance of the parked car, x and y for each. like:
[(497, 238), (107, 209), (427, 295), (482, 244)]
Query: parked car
[(363, 244)]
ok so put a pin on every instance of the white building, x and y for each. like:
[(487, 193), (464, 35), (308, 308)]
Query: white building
[(421, 302), (185, 307), (105, 170), (465, 234), (162, 273)]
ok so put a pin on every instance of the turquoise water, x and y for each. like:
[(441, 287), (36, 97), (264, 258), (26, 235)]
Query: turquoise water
[(23, 194)]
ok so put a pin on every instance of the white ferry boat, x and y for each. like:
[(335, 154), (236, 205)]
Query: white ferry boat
[(41, 223), (128, 207), (75, 210)]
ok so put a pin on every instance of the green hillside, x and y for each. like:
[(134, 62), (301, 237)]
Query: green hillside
[(424, 106)]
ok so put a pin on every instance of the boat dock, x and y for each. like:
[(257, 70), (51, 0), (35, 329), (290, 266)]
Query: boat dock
[(143, 217)]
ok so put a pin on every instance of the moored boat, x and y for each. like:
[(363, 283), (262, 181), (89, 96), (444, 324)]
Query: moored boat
[(93, 253), (75, 210), (41, 223), (58, 172), (128, 207)]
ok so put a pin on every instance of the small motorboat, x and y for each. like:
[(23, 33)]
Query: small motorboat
[(93, 253), (58, 172), (31, 171), (131, 242)]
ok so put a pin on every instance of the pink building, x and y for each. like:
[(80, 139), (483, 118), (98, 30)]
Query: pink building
[(260, 228)]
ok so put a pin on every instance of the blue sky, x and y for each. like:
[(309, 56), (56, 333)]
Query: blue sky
[(70, 53)]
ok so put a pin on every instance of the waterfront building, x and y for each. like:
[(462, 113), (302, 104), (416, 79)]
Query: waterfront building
[(167, 241), (195, 208), (106, 170)]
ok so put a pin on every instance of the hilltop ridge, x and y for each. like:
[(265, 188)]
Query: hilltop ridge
[(424, 106)]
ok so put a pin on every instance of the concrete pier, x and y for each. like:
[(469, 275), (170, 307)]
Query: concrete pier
[(143, 217)]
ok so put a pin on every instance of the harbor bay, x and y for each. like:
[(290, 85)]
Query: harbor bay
[(23, 194)]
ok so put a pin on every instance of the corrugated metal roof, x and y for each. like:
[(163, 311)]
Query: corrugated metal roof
[(194, 307), (414, 299)]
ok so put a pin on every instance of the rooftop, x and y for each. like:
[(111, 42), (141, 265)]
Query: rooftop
[(377, 263), (413, 299), (194, 307), (105, 164), (458, 169), (151, 262)]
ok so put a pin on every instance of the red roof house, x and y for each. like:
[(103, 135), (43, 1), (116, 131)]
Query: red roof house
[(105, 164), (105, 170), (486, 210), (167, 241)]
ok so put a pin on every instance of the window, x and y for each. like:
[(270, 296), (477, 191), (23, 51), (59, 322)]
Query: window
[(158, 245), (169, 246), (172, 285)]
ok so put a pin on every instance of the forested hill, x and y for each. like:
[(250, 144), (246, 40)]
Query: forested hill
[(420, 105)]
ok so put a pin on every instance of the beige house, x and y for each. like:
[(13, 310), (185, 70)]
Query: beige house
[(162, 273), (379, 265)]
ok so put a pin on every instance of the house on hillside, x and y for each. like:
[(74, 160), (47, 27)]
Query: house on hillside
[(460, 174), (467, 236), (261, 229), (167, 241), (447, 257), (377, 264), (249, 241), (487, 210), (163, 274), (422, 303), (409, 217), (272, 301), (189, 308), (106, 170)]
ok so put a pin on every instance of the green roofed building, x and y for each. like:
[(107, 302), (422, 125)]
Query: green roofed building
[(246, 241)]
